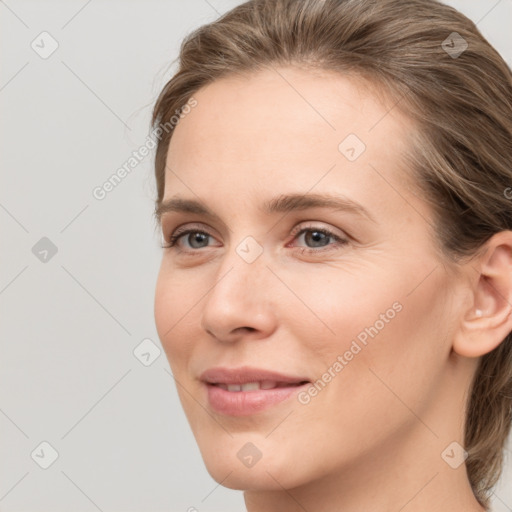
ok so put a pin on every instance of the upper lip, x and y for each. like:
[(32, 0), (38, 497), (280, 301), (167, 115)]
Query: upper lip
[(245, 374)]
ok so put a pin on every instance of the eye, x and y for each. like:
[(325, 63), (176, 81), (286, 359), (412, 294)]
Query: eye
[(319, 239), (316, 236), (196, 241)]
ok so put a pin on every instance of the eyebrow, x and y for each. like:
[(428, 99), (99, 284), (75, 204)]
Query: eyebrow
[(280, 204)]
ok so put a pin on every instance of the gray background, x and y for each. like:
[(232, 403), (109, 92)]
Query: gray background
[(70, 324)]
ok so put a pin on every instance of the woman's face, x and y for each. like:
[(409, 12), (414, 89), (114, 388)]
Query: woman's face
[(364, 312)]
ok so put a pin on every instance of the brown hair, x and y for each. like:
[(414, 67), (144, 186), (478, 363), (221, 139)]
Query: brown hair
[(461, 155)]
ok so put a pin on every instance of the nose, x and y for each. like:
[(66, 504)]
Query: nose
[(240, 301)]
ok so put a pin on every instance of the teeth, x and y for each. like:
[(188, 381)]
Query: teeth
[(249, 386)]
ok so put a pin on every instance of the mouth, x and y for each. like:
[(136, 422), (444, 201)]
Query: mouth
[(257, 385), (245, 391)]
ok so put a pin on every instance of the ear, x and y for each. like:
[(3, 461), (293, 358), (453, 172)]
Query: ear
[(489, 319)]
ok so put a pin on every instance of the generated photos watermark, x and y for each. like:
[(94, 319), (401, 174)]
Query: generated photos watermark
[(101, 191), (305, 397)]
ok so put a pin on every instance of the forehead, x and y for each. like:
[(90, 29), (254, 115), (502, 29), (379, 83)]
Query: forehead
[(285, 124)]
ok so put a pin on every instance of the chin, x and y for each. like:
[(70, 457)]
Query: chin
[(231, 466), (253, 479)]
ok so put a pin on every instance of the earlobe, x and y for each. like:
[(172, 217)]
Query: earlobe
[(488, 320)]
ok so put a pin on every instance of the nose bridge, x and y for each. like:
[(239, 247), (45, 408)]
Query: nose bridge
[(242, 268), (235, 298)]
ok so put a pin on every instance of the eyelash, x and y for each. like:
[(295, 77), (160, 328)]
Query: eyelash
[(173, 239)]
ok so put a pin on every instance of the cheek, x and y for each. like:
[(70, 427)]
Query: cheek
[(393, 346), (338, 307), (175, 308), (366, 341)]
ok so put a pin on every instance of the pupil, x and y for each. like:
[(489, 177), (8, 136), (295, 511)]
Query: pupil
[(316, 235), (196, 237)]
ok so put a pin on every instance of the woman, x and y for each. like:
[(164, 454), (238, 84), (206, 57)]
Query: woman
[(335, 295)]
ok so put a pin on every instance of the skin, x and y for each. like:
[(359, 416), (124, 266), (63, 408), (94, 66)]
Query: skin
[(372, 439)]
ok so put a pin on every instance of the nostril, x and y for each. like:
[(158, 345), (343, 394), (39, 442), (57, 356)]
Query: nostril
[(250, 329)]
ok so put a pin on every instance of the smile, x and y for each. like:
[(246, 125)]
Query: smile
[(251, 397), (256, 386)]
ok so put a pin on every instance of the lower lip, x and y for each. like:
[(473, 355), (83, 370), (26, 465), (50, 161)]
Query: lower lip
[(245, 403)]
